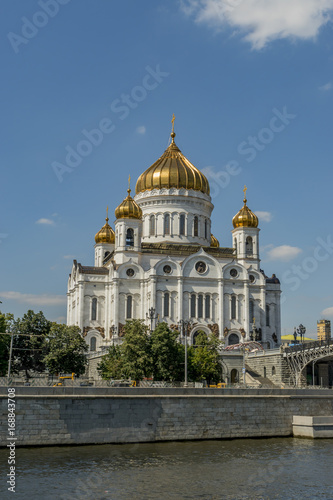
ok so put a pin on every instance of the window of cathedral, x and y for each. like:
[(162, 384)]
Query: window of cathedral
[(130, 237), (195, 226), (94, 309), (167, 269), (200, 306), (166, 305), (206, 229), (200, 267), (129, 304), (152, 225), (233, 307), (93, 344), (106, 254), (233, 339), (235, 244), (252, 278), (130, 272), (167, 224), (251, 311), (193, 305), (249, 246), (207, 306), (267, 316), (233, 273), (182, 224)]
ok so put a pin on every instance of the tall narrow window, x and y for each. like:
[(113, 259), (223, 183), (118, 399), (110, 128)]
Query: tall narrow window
[(152, 225), (130, 237), (235, 244), (193, 300), (93, 344), (267, 316), (94, 309), (167, 224), (129, 307), (207, 306), (166, 306), (233, 307), (206, 229), (249, 246), (200, 306), (182, 224), (251, 311), (195, 226)]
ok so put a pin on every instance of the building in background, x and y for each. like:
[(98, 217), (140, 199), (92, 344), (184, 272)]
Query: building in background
[(162, 263), (323, 329)]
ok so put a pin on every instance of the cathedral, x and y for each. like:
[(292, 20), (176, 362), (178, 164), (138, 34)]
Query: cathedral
[(161, 262)]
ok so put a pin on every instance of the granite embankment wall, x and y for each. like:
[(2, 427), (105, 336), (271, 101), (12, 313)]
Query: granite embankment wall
[(57, 416)]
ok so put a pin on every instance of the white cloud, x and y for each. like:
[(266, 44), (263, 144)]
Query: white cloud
[(141, 130), (45, 221), (34, 300), (326, 87), (262, 21), (264, 216), (327, 312), (283, 252)]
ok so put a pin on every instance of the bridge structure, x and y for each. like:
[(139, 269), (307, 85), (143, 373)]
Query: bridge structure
[(299, 356)]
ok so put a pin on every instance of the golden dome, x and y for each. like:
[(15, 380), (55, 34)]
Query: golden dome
[(214, 242), (172, 170), (128, 209), (245, 217), (106, 234)]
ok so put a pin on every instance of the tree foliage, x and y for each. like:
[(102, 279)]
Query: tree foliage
[(203, 358), (6, 322), (111, 365), (167, 354), (66, 348)]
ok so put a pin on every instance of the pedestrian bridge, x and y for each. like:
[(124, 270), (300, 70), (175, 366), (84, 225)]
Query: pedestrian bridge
[(299, 356)]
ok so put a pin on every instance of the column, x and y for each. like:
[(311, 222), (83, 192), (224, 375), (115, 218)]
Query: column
[(106, 312), (116, 305), (263, 307), (143, 299), (180, 298), (221, 309), (247, 319), (81, 306)]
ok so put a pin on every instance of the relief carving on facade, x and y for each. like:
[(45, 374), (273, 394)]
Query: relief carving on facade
[(243, 333), (87, 329), (121, 330), (226, 332), (214, 328)]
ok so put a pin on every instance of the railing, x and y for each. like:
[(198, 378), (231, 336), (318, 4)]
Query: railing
[(308, 345)]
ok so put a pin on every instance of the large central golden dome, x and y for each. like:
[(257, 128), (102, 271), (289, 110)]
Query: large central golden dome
[(172, 170)]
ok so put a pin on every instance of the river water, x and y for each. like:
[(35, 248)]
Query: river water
[(278, 468)]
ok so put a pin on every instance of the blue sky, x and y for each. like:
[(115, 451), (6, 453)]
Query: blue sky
[(251, 85)]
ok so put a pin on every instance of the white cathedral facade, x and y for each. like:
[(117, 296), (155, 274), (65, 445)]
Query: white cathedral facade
[(162, 263)]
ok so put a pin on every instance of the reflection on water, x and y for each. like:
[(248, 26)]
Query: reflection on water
[(239, 469)]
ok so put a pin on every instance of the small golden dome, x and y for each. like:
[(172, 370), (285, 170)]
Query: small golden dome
[(106, 234), (172, 170), (245, 217), (128, 209), (214, 242)]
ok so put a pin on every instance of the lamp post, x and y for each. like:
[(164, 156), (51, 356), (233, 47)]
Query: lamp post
[(151, 316), (113, 330), (300, 331), (255, 333), (184, 327)]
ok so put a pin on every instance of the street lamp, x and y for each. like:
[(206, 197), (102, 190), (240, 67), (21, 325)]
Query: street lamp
[(255, 333), (151, 315), (300, 331), (113, 330), (184, 327)]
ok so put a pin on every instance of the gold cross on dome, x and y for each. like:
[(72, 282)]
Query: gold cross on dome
[(107, 212), (244, 191), (173, 122)]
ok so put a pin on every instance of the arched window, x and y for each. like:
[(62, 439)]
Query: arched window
[(206, 229), (166, 305), (234, 376), (265, 371), (195, 226), (106, 254), (233, 307), (207, 306), (94, 309), (152, 225), (267, 316), (200, 306), (182, 224), (233, 339), (251, 311), (273, 370), (235, 244), (249, 246), (167, 224), (193, 300), (129, 302), (130, 237), (93, 344)]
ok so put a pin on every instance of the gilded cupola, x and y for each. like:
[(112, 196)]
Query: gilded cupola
[(106, 234), (128, 209), (245, 217), (214, 242), (172, 170)]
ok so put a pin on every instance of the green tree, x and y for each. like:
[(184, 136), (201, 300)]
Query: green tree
[(66, 350), (167, 354), (29, 346), (6, 323), (203, 358), (112, 365), (136, 350)]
